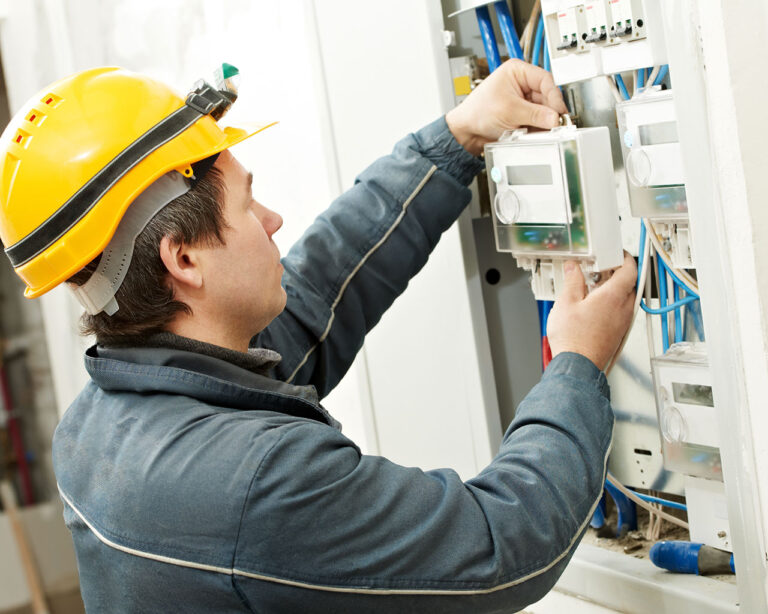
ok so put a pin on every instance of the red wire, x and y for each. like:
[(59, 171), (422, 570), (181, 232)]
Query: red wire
[(546, 352)]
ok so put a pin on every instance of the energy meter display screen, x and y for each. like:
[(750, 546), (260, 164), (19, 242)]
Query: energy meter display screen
[(658, 134), (693, 394), (529, 174)]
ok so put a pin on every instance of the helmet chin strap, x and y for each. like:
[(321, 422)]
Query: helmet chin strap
[(98, 293)]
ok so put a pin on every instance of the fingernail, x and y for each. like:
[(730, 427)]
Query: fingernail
[(569, 266)]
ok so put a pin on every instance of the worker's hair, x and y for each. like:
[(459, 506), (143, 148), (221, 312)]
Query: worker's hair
[(145, 298)]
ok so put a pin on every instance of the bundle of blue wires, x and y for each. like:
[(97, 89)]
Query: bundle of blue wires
[(508, 33), (641, 76), (664, 307), (540, 56)]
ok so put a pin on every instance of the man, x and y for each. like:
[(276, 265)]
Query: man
[(198, 471)]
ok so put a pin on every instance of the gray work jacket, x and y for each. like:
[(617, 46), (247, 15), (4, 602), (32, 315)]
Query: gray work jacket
[(194, 480)]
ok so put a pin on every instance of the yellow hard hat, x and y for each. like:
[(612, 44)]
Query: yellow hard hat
[(77, 154)]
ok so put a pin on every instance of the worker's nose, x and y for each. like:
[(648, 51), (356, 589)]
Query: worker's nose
[(271, 221)]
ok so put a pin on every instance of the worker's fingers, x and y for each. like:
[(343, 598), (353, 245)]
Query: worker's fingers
[(626, 275), (574, 286), (554, 98), (534, 79), (622, 282), (536, 115)]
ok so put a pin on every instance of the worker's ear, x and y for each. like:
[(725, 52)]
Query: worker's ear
[(183, 264)]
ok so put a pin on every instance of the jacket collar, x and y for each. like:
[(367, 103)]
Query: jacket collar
[(210, 379)]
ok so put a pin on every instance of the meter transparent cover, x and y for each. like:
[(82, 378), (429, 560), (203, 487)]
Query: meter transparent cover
[(536, 192), (686, 411), (652, 157)]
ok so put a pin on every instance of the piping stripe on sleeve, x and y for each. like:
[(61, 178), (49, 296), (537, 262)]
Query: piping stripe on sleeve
[(360, 264), (340, 589)]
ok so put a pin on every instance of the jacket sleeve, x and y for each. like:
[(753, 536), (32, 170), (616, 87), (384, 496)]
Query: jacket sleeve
[(358, 256), (328, 529)]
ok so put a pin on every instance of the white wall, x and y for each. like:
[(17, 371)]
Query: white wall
[(427, 367), (179, 41)]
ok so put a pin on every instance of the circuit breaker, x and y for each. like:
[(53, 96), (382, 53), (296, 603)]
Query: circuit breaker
[(553, 199), (602, 37), (636, 36), (565, 25)]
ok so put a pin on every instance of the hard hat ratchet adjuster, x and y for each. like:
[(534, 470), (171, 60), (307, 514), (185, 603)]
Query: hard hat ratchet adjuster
[(207, 100)]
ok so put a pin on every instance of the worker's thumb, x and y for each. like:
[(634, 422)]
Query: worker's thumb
[(574, 286), (537, 115)]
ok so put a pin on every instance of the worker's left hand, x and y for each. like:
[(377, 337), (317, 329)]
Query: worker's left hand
[(515, 94)]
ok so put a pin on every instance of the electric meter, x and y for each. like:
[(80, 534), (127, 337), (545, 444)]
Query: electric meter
[(553, 199), (652, 158), (686, 411)]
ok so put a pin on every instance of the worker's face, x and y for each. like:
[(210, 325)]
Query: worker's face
[(243, 275)]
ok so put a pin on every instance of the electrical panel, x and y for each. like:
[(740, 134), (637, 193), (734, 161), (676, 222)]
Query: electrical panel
[(553, 199), (560, 195), (602, 37)]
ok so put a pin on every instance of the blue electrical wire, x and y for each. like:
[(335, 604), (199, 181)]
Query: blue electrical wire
[(544, 308), (678, 316), (662, 73), (664, 502), (542, 318), (508, 32), (663, 305), (537, 42), (622, 87), (678, 302), (547, 64), (679, 282), (667, 308), (625, 508), (489, 38)]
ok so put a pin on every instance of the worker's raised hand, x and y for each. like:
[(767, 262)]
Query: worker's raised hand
[(593, 324), (516, 94)]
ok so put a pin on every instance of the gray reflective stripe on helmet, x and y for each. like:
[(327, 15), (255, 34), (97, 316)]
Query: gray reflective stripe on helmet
[(199, 103), (98, 293)]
